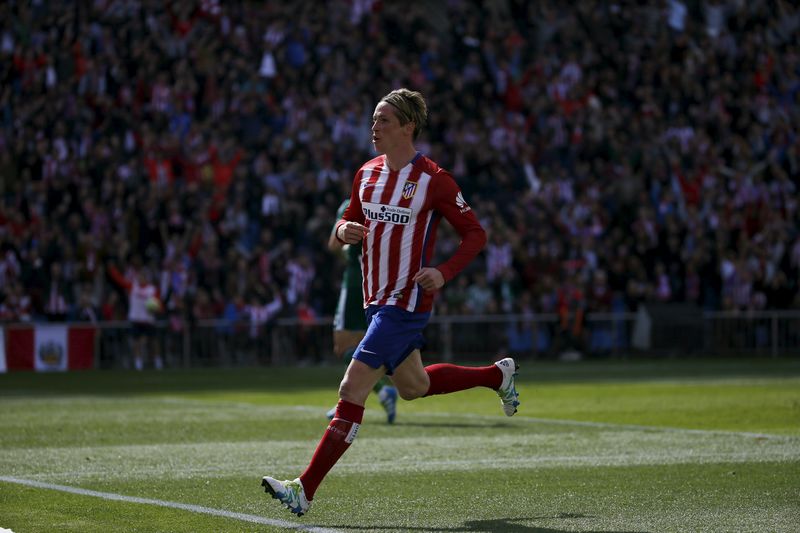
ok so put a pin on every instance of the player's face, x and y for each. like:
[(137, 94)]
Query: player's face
[(387, 133)]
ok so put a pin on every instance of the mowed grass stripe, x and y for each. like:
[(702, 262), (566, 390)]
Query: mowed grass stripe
[(163, 503), (294, 410), (528, 450), (191, 409)]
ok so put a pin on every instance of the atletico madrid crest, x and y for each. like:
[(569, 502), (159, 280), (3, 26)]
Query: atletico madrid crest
[(409, 189)]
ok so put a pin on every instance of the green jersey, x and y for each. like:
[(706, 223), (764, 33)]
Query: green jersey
[(350, 309)]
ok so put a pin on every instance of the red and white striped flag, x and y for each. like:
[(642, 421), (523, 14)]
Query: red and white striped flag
[(48, 348)]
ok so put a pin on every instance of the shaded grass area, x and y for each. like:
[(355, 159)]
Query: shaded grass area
[(283, 379)]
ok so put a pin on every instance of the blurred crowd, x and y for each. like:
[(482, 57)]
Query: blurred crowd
[(616, 152)]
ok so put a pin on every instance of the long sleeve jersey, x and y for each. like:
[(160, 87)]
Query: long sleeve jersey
[(402, 210)]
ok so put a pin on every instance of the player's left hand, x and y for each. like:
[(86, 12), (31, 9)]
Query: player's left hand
[(429, 278)]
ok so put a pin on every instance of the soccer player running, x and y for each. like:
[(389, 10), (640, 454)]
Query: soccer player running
[(349, 323), (396, 204)]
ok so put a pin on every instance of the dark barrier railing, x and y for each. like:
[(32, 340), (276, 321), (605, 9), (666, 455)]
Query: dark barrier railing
[(651, 332)]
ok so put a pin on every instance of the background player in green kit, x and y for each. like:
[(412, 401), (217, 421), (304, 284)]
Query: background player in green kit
[(349, 322)]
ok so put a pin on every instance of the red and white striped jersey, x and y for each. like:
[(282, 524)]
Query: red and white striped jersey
[(402, 210)]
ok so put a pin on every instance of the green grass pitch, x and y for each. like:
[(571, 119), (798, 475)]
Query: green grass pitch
[(705, 445)]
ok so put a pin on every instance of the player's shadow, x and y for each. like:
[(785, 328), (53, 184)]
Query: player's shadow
[(499, 525)]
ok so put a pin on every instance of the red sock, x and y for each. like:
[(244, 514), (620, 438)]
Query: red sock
[(337, 438), (446, 378)]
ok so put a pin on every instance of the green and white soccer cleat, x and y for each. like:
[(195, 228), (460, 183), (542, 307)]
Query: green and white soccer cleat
[(388, 398), (509, 397), (290, 493)]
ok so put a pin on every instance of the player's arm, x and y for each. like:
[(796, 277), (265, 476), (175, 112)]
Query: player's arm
[(334, 244), (449, 201), (118, 278), (351, 229)]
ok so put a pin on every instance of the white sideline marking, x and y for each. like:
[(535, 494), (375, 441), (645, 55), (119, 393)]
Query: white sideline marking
[(163, 503)]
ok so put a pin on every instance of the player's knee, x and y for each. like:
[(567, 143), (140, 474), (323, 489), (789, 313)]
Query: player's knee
[(412, 392), (344, 390), (349, 393)]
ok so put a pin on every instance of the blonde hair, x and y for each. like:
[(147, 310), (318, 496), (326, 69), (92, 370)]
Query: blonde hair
[(410, 107)]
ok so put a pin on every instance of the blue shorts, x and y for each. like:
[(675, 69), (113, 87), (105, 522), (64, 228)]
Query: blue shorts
[(392, 334)]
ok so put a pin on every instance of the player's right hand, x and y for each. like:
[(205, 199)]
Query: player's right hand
[(351, 232)]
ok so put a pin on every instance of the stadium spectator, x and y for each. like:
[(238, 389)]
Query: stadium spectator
[(86, 311), (480, 297), (571, 310), (677, 119), (143, 305), (259, 312), (56, 295)]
